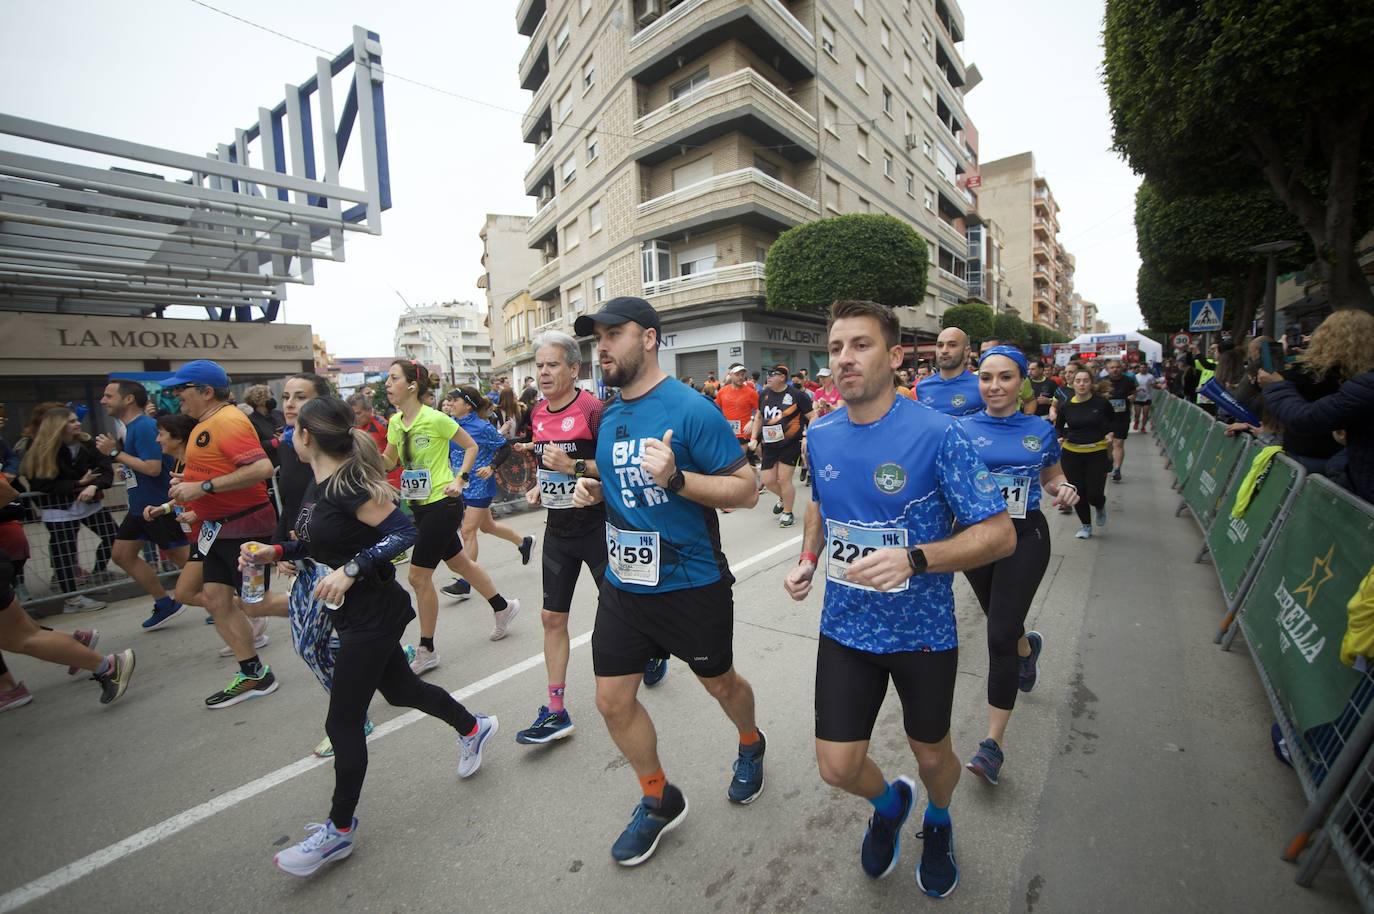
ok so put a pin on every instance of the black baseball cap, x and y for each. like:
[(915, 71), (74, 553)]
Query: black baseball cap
[(618, 311)]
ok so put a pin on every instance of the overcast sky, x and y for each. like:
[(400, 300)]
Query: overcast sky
[(171, 73)]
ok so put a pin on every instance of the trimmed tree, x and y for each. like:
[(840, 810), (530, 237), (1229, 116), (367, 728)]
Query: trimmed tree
[(1205, 96), (973, 318), (865, 256), (1011, 330)]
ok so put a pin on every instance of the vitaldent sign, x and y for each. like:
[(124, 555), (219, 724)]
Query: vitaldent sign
[(68, 338)]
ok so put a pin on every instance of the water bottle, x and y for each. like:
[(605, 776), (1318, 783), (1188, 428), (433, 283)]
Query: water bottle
[(177, 511), (254, 580)]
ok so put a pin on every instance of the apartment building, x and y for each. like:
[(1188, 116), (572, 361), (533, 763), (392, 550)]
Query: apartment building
[(674, 140), (452, 335), (1084, 317), (507, 262), (1039, 272)]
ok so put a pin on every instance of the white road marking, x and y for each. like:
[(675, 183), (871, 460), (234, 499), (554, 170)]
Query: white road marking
[(46, 885)]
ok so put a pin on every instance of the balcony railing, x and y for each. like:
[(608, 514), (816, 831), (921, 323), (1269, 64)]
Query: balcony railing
[(951, 278), (733, 273), (953, 232), (743, 82), (547, 275), (741, 178), (537, 43), (683, 10), (542, 217)]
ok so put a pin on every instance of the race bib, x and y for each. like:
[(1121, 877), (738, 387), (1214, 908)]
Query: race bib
[(845, 545), (415, 485), (129, 476), (633, 555), (734, 427), (772, 434), (1016, 490), (208, 531), (1119, 405), (556, 489)]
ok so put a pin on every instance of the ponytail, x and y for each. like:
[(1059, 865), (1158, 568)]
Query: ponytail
[(330, 423)]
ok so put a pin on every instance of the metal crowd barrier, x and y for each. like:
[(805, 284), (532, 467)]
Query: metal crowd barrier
[(1287, 567)]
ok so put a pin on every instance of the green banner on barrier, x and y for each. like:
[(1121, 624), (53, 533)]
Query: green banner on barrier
[(1233, 541), (1190, 448), (1294, 616), (1187, 415), (1206, 486)]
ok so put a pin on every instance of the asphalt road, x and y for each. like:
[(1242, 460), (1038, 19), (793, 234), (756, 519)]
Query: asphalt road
[(1138, 774)]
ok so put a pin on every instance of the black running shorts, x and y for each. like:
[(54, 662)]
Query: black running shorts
[(788, 452), (221, 564), (695, 624), (564, 557), (162, 530), (437, 524), (851, 685)]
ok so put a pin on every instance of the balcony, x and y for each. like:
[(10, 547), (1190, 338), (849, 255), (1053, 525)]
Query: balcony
[(953, 233), (695, 26), (747, 195), (544, 280), (958, 282), (528, 13), (742, 101), (541, 169), (739, 281), (542, 223), (534, 65), (539, 43)]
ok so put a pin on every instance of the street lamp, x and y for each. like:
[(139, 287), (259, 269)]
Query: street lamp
[(1272, 250)]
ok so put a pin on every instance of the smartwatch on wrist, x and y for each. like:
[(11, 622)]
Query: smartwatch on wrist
[(208, 486), (579, 468), (917, 558), (352, 569), (465, 476), (114, 455), (676, 481)]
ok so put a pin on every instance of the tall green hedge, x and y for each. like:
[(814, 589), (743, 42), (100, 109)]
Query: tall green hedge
[(864, 256)]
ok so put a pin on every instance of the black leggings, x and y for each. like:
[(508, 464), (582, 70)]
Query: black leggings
[(1088, 472), (62, 545), (361, 669), (1005, 589)]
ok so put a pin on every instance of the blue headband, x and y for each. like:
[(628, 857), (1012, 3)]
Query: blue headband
[(1008, 352)]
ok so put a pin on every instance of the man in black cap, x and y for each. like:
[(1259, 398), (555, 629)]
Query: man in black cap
[(667, 459)]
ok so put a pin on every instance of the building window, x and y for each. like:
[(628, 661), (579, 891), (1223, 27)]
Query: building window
[(861, 73), (696, 260), (928, 147), (564, 106), (906, 65), (863, 144), (885, 37), (887, 101), (690, 84), (594, 217), (887, 164), (832, 194), (910, 185), (828, 38), (572, 235), (760, 253), (859, 7), (569, 169), (767, 167), (906, 126), (865, 206), (588, 74), (927, 92), (655, 260), (591, 147), (574, 301), (598, 288), (928, 199), (925, 38), (693, 173), (832, 117), (561, 42)]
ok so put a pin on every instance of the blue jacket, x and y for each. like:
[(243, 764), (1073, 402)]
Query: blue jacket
[(1350, 408)]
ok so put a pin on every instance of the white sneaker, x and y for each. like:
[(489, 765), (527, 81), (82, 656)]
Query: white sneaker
[(325, 845), (81, 604), (470, 747), (1085, 532), (425, 660), (260, 638), (503, 619)]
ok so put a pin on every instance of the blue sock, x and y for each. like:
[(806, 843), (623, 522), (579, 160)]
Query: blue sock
[(937, 815), (165, 602), (888, 803)]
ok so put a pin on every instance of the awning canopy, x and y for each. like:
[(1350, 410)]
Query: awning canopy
[(162, 228)]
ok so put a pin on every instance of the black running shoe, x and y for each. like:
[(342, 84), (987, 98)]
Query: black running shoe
[(937, 874), (114, 682), (526, 547)]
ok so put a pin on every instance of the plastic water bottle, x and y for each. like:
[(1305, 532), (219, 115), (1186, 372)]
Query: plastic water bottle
[(177, 511), (254, 581)]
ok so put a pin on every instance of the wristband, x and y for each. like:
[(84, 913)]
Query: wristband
[(279, 550), (167, 508), (1069, 484), (810, 557)]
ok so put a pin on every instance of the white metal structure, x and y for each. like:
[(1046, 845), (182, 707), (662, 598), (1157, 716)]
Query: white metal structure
[(219, 233)]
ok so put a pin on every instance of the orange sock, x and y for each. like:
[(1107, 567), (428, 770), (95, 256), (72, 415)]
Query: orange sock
[(750, 738), (653, 784)]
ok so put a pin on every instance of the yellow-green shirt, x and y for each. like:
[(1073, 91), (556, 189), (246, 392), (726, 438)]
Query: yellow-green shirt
[(427, 447)]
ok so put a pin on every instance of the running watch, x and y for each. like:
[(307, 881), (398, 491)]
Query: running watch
[(352, 569), (917, 558), (208, 486), (579, 467), (676, 481)]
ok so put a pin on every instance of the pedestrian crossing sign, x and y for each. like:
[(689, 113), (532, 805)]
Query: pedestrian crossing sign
[(1204, 315)]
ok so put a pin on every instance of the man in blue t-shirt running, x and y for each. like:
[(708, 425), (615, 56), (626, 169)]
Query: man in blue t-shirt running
[(892, 479), (138, 460), (667, 460)]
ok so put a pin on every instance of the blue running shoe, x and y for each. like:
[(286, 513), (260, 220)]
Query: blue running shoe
[(649, 823), (547, 727), (747, 782), (1028, 668), (326, 844), (937, 874), (883, 838), (987, 761), (655, 671), (470, 747), (161, 617), (410, 653)]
